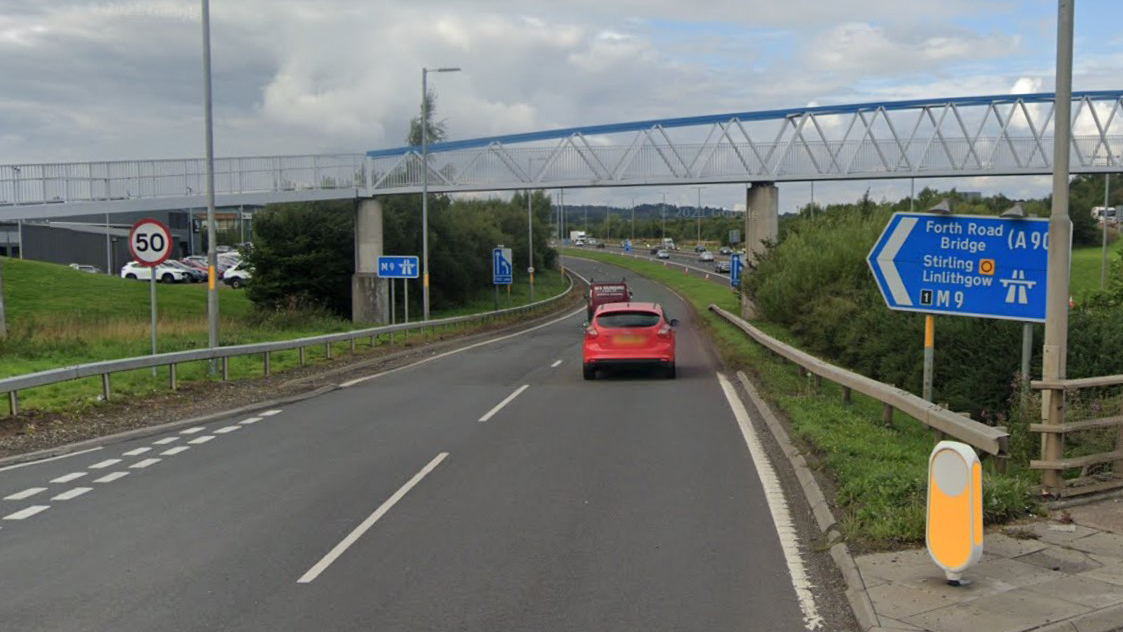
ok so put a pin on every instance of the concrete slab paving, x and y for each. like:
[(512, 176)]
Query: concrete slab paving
[(1112, 574), (1058, 533), (1101, 543), (1081, 589), (1012, 611), (1015, 573), (1003, 545), (1061, 559), (898, 601), (1105, 516)]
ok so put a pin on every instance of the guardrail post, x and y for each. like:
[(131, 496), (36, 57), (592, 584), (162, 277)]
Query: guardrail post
[(818, 382), (1118, 465), (105, 386), (352, 345), (13, 402), (373, 341), (266, 368), (171, 376), (887, 415), (301, 354), (225, 369), (846, 394), (327, 350)]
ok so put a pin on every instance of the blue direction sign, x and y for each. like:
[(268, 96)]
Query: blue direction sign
[(735, 270), (501, 269), (398, 267), (963, 265)]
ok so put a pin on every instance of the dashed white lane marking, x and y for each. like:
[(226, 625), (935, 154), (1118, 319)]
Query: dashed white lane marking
[(175, 451), (66, 478), (358, 532), (269, 413), (145, 463), (72, 494), (109, 478), (201, 440), (53, 458), (137, 451), (104, 464), (227, 429), (27, 513), (555, 364), (27, 493), (166, 441), (365, 378), (193, 430), (778, 506), (251, 420), (500, 405)]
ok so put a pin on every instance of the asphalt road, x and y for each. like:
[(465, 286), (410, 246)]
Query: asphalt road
[(628, 503)]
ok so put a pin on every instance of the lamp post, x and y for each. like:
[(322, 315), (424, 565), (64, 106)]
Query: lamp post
[(699, 238), (633, 218), (663, 211), (1103, 218), (212, 252), (530, 243), (425, 186)]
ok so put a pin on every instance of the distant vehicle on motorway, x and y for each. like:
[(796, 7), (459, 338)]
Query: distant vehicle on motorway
[(629, 334), (721, 266), (600, 244), (699, 248), (605, 293), (164, 273), (725, 250), (662, 254), (655, 250), (706, 256), (579, 242)]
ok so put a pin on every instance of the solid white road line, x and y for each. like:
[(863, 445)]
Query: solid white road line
[(193, 430), (778, 506), (72, 494), (201, 440), (555, 364), (145, 463), (27, 493), (251, 420), (175, 451), (166, 441), (227, 429), (53, 458), (27, 513), (358, 532), (269, 413), (500, 405), (104, 464), (137, 451), (462, 349), (109, 478), (66, 478)]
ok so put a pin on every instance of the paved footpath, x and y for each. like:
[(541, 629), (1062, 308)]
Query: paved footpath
[(1062, 574)]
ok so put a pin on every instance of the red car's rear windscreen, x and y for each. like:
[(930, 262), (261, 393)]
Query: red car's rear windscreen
[(624, 320)]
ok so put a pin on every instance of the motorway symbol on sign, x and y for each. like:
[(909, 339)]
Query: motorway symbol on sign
[(398, 267), (964, 265), (502, 272), (150, 242), (735, 270)]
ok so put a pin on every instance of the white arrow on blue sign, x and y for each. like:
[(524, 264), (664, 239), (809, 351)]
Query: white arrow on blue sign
[(398, 267), (963, 265), (735, 270), (502, 271)]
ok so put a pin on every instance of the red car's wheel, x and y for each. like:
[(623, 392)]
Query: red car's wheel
[(590, 373)]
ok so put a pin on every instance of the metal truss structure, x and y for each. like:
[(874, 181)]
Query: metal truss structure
[(957, 137)]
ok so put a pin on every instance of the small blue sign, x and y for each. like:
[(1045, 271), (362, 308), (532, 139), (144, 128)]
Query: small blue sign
[(735, 270), (963, 265), (502, 270), (398, 267)]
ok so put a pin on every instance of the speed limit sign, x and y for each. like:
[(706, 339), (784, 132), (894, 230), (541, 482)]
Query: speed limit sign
[(150, 242)]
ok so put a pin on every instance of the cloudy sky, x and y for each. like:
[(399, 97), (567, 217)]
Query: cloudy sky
[(108, 80)]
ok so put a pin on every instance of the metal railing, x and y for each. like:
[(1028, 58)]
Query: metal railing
[(104, 369), (1086, 482), (989, 439)]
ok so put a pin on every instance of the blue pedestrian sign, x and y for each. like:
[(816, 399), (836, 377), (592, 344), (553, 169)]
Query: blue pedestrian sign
[(398, 267), (502, 270), (735, 270), (963, 265)]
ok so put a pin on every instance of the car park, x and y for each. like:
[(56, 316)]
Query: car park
[(662, 254), (706, 256), (81, 267), (721, 266), (164, 273), (194, 275), (629, 334)]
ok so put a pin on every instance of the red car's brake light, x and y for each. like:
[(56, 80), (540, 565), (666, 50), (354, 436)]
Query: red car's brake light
[(664, 331), (590, 332)]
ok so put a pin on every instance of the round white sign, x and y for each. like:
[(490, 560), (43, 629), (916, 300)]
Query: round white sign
[(530, 269), (150, 242)]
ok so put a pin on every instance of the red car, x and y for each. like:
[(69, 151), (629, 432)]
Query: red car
[(629, 334)]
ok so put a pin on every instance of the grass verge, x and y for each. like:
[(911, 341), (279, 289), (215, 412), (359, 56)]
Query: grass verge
[(60, 317), (877, 471)]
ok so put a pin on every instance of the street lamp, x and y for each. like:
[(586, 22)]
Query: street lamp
[(633, 218), (943, 207), (699, 238), (663, 210), (425, 186)]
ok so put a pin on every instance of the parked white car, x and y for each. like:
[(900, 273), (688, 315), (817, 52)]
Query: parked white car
[(237, 276), (164, 273)]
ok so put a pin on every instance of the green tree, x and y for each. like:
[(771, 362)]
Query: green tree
[(436, 129)]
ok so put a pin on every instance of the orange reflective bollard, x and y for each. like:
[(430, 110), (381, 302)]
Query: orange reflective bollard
[(954, 529)]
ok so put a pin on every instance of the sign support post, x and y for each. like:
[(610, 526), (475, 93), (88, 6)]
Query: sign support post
[(152, 309), (929, 353), (150, 243)]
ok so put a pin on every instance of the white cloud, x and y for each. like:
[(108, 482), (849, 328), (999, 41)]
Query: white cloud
[(862, 47)]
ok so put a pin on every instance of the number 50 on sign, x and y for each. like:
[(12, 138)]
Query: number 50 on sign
[(150, 242)]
